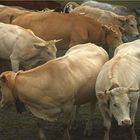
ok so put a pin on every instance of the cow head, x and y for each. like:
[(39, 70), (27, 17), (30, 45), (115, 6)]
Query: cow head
[(129, 23), (47, 49), (69, 7), (113, 35), (6, 80), (9, 96), (120, 103)]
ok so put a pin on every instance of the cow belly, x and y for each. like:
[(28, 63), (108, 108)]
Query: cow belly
[(4, 52), (84, 96), (46, 114)]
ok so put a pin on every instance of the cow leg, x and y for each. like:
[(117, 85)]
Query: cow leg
[(75, 117), (133, 109), (14, 63), (40, 131), (68, 117), (89, 128), (107, 119)]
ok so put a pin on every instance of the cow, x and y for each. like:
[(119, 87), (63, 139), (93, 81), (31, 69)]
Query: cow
[(73, 29), (118, 9), (129, 22), (117, 87), (70, 6), (56, 86), (21, 46), (7, 13)]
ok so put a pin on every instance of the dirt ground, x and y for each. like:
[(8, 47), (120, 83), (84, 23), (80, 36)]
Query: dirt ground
[(15, 126)]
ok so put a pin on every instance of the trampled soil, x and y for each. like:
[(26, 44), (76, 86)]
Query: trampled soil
[(15, 126)]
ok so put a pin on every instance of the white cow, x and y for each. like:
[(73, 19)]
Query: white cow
[(21, 46), (117, 87), (56, 86)]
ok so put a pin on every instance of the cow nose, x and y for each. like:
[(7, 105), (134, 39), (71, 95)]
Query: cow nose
[(138, 35), (126, 122)]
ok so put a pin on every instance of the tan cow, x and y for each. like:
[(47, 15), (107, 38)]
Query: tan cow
[(72, 28), (117, 87), (7, 14), (55, 87), (129, 23), (22, 47)]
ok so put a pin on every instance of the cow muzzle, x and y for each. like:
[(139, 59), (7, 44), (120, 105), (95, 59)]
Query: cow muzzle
[(126, 122), (138, 36)]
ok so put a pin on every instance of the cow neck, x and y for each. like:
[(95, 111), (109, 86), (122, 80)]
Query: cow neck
[(20, 107), (104, 42)]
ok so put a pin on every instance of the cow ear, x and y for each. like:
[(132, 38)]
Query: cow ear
[(126, 18), (108, 29), (122, 30), (100, 95), (105, 28), (40, 45), (3, 78), (130, 17), (122, 19), (53, 42)]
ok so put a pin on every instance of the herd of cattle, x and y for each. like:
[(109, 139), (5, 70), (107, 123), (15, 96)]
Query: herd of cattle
[(85, 74)]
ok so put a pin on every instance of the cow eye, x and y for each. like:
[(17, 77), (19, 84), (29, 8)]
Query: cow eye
[(49, 53), (128, 103), (115, 105)]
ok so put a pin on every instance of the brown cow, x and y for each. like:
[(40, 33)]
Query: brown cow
[(72, 28)]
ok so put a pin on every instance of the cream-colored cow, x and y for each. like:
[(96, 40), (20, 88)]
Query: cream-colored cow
[(21, 46), (129, 22), (55, 87), (117, 87)]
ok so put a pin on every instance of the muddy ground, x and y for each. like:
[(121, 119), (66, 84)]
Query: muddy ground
[(14, 126)]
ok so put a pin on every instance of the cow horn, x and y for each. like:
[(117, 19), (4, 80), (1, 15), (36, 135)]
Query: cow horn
[(82, 13), (133, 89), (116, 89), (57, 40), (74, 4), (107, 92)]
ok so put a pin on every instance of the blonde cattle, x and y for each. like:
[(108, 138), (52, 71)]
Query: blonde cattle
[(117, 87), (21, 46), (72, 28), (56, 86), (7, 13), (129, 23)]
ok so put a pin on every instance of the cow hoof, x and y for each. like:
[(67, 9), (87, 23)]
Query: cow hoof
[(134, 138), (87, 132), (42, 135), (43, 138), (66, 137)]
